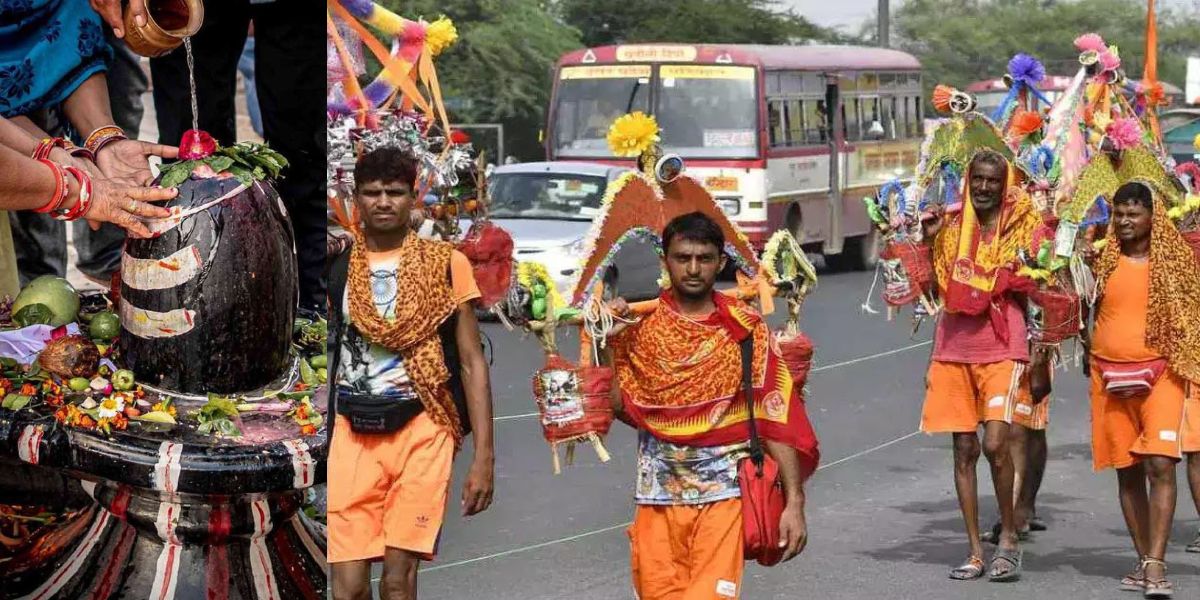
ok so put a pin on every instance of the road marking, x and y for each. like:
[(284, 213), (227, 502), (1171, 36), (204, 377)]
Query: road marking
[(585, 534), (853, 361)]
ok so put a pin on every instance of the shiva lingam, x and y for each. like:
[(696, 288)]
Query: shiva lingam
[(206, 307)]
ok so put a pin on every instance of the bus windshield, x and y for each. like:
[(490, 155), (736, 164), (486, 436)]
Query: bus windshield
[(590, 99), (705, 111), (708, 111)]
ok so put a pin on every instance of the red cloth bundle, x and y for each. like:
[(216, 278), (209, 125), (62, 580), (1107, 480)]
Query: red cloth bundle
[(907, 272), (1193, 239), (490, 250), (574, 405), (1053, 315), (797, 352)]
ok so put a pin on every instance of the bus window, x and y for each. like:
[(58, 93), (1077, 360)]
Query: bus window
[(590, 98), (889, 117), (795, 114), (776, 123), (708, 110), (872, 119), (814, 122)]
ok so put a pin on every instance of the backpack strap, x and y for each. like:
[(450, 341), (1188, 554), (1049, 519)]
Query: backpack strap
[(756, 448), (338, 271)]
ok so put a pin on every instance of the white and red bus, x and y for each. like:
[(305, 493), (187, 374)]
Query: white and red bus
[(753, 123)]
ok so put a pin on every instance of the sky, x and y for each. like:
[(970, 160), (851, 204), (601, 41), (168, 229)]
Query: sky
[(849, 14)]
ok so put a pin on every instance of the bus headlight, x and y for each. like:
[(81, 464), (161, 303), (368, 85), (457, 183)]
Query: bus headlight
[(730, 206)]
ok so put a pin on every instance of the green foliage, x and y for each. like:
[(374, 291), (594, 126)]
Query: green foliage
[(962, 41), (247, 161), (604, 22), (215, 417)]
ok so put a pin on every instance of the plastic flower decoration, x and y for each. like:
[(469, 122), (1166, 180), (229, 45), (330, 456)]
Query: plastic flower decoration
[(439, 35), (1090, 41), (1124, 133), (632, 134)]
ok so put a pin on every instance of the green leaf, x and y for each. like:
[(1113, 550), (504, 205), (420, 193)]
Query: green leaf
[(219, 163), (307, 374), (15, 401), (33, 314), (177, 173)]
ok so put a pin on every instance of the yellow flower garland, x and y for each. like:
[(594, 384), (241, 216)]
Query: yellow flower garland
[(530, 273), (632, 134)]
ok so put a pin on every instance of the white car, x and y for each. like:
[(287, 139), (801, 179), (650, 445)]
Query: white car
[(548, 207)]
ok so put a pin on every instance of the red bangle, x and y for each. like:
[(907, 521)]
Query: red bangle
[(47, 145), (60, 187), (81, 152), (85, 196)]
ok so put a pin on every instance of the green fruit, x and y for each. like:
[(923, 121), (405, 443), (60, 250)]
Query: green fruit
[(157, 416), (319, 361), (307, 374), (323, 375), (105, 326), (79, 384), (539, 308), (123, 380), (56, 293)]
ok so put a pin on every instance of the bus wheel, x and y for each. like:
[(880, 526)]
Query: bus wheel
[(859, 253)]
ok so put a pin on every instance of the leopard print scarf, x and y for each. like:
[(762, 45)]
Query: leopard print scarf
[(424, 300)]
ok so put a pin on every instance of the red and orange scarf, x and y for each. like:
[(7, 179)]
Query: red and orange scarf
[(681, 380)]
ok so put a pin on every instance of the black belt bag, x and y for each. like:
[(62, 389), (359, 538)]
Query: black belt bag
[(377, 414)]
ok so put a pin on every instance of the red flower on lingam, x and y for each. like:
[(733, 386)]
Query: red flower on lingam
[(196, 144)]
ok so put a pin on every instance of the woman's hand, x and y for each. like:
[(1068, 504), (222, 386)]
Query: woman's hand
[(127, 162), (127, 206), (65, 159), (110, 11)]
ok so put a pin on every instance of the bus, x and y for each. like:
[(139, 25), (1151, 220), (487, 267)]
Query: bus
[(782, 136)]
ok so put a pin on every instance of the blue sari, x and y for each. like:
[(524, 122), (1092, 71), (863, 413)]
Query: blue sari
[(47, 49)]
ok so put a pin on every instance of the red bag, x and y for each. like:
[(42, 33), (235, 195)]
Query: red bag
[(907, 272), (1053, 315), (1130, 380), (797, 353), (762, 491), (490, 250), (574, 405)]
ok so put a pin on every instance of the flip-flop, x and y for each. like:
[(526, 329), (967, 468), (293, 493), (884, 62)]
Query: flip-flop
[(993, 536), (972, 569), (1012, 558), (1037, 524), (1195, 545), (1157, 589)]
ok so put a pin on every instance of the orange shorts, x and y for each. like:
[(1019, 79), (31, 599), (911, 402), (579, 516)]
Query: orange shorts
[(387, 490), (687, 552), (960, 396), (1191, 420), (1125, 428), (1026, 413)]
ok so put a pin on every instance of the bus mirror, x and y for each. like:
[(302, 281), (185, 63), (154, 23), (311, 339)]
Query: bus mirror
[(668, 168)]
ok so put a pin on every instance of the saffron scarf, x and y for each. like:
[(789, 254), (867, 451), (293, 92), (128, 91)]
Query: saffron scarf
[(681, 380)]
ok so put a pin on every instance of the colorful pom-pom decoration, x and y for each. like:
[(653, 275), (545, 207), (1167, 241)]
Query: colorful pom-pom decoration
[(632, 134), (1124, 133), (439, 35), (942, 94), (1090, 42)]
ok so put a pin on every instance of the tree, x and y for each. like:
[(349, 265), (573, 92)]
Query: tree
[(500, 68), (604, 22), (961, 41)]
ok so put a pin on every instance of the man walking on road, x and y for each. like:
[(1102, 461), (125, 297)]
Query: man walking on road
[(679, 382), (409, 380), (1144, 352), (980, 350)]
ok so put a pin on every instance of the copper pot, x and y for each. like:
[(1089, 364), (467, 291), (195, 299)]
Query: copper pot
[(167, 23)]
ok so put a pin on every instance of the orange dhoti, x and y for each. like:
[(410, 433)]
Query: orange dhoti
[(1191, 420), (1125, 429), (960, 396), (687, 552), (1031, 416)]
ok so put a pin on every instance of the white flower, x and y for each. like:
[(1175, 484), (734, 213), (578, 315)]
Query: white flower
[(111, 406)]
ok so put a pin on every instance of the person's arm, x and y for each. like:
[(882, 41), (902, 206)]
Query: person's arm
[(126, 161), (619, 308), (23, 135), (1039, 373), (793, 530), (110, 11), (479, 487), (26, 184)]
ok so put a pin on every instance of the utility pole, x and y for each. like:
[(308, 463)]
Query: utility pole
[(884, 21)]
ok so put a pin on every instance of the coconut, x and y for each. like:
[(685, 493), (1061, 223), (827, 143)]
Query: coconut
[(70, 356)]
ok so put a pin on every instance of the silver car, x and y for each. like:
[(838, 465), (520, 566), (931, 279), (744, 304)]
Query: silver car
[(548, 207)]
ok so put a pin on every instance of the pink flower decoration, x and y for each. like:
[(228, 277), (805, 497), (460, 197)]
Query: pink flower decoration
[(1109, 61), (1124, 133), (1090, 41), (196, 144)]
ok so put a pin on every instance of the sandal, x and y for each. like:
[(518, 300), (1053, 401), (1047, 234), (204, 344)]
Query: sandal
[(1135, 581), (972, 569), (1195, 545), (1037, 524), (993, 536), (1010, 560), (1158, 588)]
